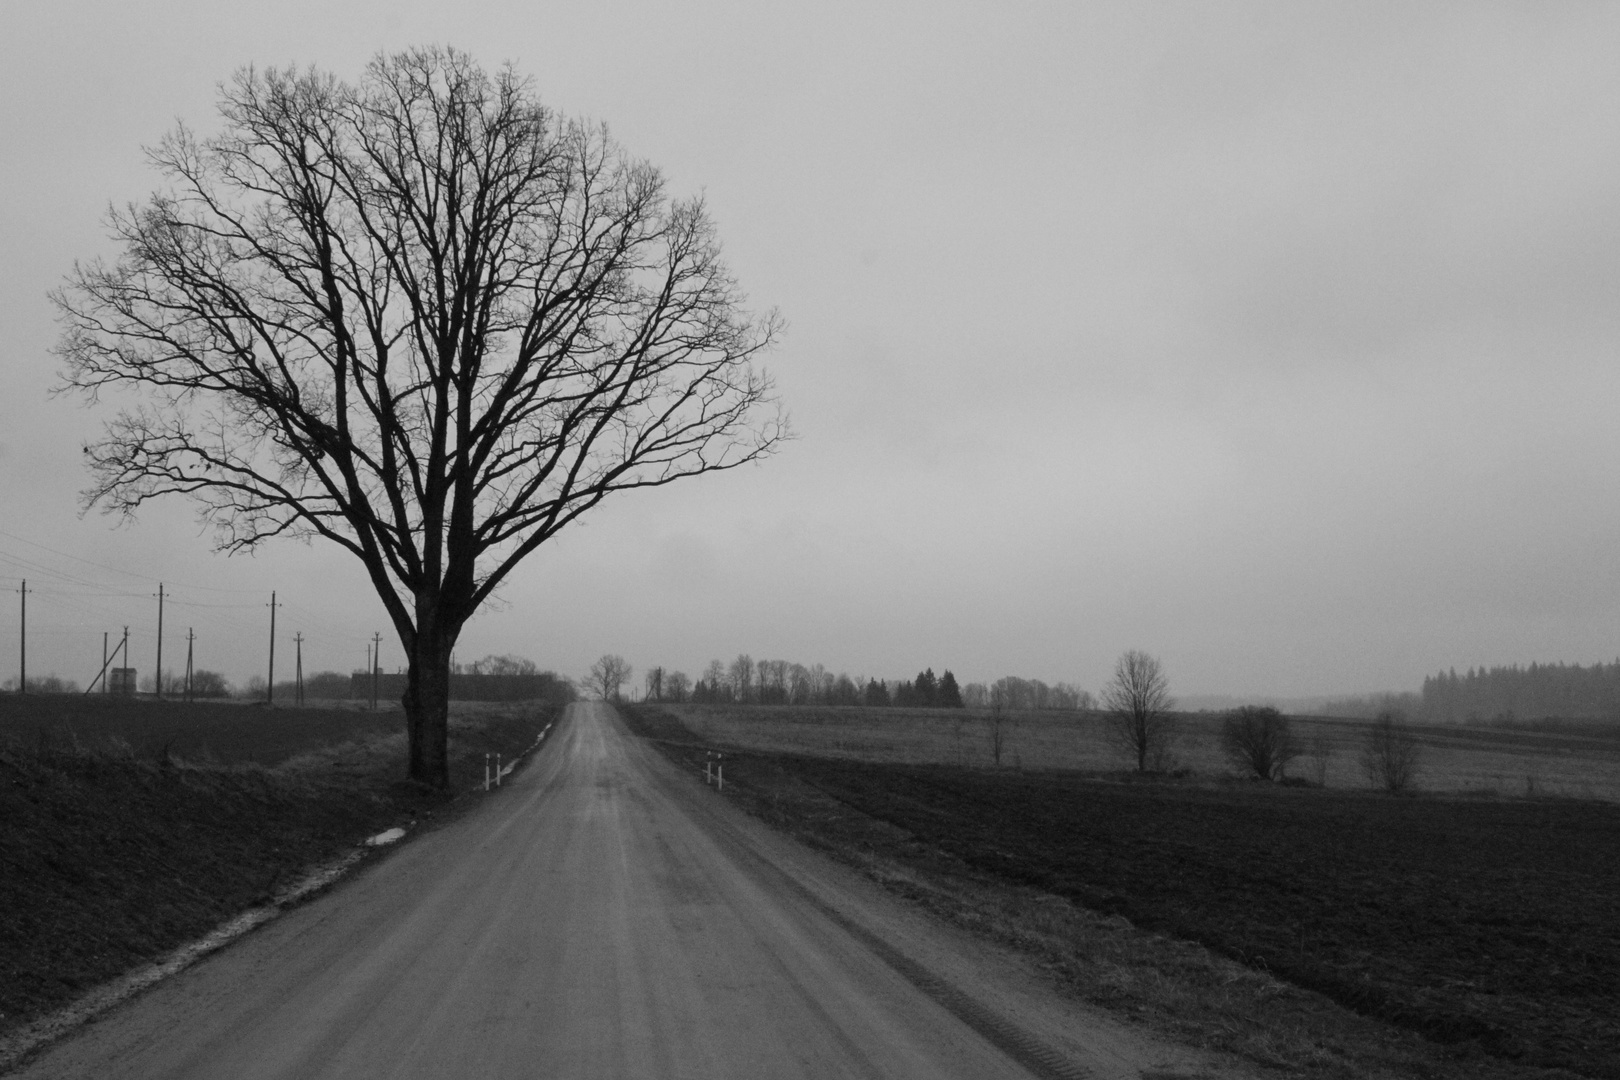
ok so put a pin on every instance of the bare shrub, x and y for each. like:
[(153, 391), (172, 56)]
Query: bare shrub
[(1138, 703), (1259, 740), (1389, 754), (999, 721)]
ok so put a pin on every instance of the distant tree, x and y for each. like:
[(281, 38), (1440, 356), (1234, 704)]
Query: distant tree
[(676, 687), (655, 684), (716, 686), (1389, 754), (876, 693), (1069, 696), (50, 684), (976, 695), (504, 665), (1259, 740), (844, 692), (799, 684), (927, 688), (999, 720), (253, 689), (608, 674), (949, 695), (742, 677), (1138, 703)]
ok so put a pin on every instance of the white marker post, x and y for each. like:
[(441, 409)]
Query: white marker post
[(497, 770), (486, 772), (720, 777)]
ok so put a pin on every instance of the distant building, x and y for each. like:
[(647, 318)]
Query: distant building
[(121, 680)]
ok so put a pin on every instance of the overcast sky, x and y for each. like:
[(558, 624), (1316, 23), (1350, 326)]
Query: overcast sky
[(1278, 340)]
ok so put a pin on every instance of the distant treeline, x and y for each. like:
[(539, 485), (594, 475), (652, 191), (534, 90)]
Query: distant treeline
[(464, 686), (783, 682), (494, 678), (1518, 693)]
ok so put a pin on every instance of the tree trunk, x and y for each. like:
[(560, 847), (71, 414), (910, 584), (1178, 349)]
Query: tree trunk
[(427, 707)]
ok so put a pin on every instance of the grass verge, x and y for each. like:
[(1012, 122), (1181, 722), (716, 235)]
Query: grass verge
[(112, 856), (1456, 938)]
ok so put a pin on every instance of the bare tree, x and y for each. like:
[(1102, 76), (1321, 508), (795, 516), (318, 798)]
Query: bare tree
[(742, 677), (676, 686), (505, 665), (608, 674), (1259, 740), (799, 684), (714, 677), (655, 684), (1138, 703), (1389, 754), (421, 316), (999, 718)]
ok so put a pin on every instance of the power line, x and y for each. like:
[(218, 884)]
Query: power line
[(111, 569)]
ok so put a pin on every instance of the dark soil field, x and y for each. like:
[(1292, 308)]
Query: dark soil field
[(198, 730), (1490, 926), (130, 828)]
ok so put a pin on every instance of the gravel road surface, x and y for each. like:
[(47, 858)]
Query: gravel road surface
[(605, 916)]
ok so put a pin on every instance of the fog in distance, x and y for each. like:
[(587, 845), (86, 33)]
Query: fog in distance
[(1277, 341)]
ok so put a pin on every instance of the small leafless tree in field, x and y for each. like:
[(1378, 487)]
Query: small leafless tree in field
[(1000, 723), (1259, 740), (1138, 703), (608, 674), (1389, 756)]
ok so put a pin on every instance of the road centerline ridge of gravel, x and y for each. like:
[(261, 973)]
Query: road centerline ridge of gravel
[(604, 916)]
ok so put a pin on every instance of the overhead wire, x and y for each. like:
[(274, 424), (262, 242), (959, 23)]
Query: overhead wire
[(101, 603)]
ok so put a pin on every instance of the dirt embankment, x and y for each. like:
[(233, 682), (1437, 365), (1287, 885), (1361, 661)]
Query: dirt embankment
[(131, 829)]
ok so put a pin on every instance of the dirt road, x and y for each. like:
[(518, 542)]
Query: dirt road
[(603, 917)]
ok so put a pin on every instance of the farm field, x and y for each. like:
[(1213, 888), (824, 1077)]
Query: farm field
[(1488, 925), (1572, 759), (223, 731), (131, 827)]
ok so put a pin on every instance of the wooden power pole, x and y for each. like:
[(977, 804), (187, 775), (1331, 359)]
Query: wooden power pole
[(22, 655), (157, 682), (270, 688)]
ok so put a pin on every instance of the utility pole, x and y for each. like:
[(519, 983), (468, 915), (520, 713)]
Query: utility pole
[(270, 688), (298, 641), (22, 656), (376, 667), (103, 663), (157, 682), (190, 637)]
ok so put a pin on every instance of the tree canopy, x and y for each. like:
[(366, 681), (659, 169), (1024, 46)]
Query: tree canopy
[(421, 316)]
